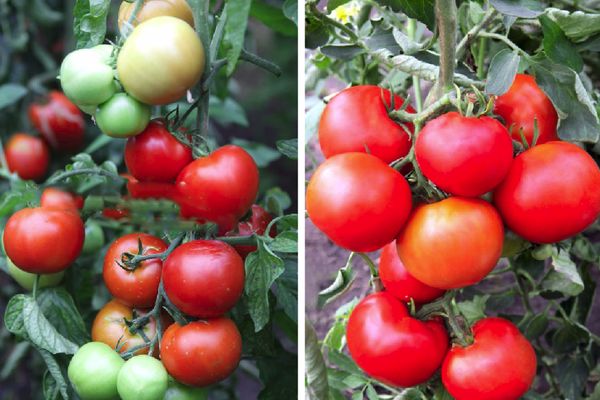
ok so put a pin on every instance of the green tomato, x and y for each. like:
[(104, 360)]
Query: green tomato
[(93, 371), (94, 238), (90, 110), (26, 279), (179, 391), (142, 377), (87, 77), (122, 116), (542, 252)]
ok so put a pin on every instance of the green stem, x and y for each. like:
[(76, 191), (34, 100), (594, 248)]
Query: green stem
[(522, 289), (416, 81), (474, 31), (260, 62), (370, 263), (504, 39), (132, 264), (330, 21), (239, 240), (88, 171), (481, 58), (445, 14), (36, 285), (424, 115)]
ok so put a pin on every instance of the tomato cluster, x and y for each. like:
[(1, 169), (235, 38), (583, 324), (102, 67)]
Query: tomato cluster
[(453, 236)]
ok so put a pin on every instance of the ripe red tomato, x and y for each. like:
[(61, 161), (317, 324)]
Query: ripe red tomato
[(499, 365), (27, 156), (220, 187), (257, 224), (464, 156), (202, 352), (155, 155), (551, 192), (453, 243), (59, 121), (137, 288), (399, 282), (356, 120), (523, 103), (43, 240), (204, 278), (151, 190), (115, 213), (110, 327), (390, 345), (358, 201), (59, 199)]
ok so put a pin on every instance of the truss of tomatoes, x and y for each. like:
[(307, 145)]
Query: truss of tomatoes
[(547, 193)]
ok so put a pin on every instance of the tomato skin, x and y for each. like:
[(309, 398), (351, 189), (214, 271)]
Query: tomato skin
[(93, 371), (204, 278), (179, 391), (220, 187), (399, 282), (464, 156), (94, 238), (136, 288), (390, 345), (122, 116), (27, 156), (358, 201), (437, 257), (59, 121), (523, 103), (152, 190), (60, 200), (202, 352), (499, 365), (551, 192), (109, 327), (155, 155), (26, 280), (257, 224), (142, 377), (161, 60), (34, 239), (156, 8), (115, 213), (356, 118)]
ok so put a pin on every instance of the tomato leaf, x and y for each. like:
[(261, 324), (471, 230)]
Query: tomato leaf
[(285, 242), (60, 383), (263, 155), (519, 8), (569, 336), (502, 72), (572, 374), (273, 17), (276, 201), (564, 276), (227, 112), (13, 315), (290, 10), (279, 376), (335, 336), (474, 309), (11, 93), (557, 47), (423, 10), (58, 306), (235, 30), (89, 22), (536, 326), (288, 147), (316, 371), (313, 116), (577, 25), (286, 289), (342, 51), (342, 283)]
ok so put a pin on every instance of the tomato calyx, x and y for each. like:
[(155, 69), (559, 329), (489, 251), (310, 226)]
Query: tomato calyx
[(130, 262), (446, 308)]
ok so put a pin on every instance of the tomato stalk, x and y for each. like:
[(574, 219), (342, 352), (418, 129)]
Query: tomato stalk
[(445, 15), (411, 29), (132, 261), (489, 16), (84, 171)]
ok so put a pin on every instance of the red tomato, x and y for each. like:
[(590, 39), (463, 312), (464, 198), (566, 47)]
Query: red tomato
[(151, 190), (257, 224), (43, 240), (220, 187), (59, 121), (110, 327), (551, 192), (358, 201), (28, 156), (464, 156), (399, 283), (155, 155), (115, 213), (137, 288), (390, 345), (202, 352), (204, 278), (356, 120), (523, 103), (59, 199), (499, 365), (453, 243)]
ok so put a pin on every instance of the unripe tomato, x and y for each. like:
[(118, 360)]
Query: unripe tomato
[(453, 243), (358, 201), (160, 60), (26, 280), (155, 155), (59, 121), (27, 156), (390, 345), (93, 371), (204, 278), (122, 116), (219, 187), (356, 120), (94, 238), (110, 327), (156, 8), (464, 156), (256, 224), (499, 365), (142, 378), (59, 199), (179, 391), (137, 288), (523, 103), (399, 282), (43, 240), (202, 352), (551, 193), (87, 77)]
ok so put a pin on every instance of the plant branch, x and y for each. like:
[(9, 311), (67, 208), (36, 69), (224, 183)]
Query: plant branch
[(474, 31), (445, 14), (260, 62), (504, 39), (89, 171)]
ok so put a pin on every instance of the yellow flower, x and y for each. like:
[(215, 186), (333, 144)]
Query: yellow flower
[(346, 12)]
